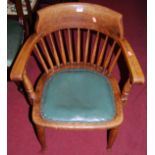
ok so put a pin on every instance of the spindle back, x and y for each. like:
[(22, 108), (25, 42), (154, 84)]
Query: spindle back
[(77, 46), (78, 33)]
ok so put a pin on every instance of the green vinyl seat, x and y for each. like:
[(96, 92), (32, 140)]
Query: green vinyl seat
[(15, 36), (77, 95)]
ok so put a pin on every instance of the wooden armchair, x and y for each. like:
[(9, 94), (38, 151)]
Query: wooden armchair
[(77, 47)]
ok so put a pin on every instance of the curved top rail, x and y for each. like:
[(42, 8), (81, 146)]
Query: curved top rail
[(80, 15)]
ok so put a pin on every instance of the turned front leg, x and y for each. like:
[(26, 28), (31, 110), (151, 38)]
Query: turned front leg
[(29, 87), (126, 90)]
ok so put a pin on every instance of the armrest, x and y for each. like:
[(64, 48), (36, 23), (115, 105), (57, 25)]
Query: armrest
[(136, 72), (22, 58)]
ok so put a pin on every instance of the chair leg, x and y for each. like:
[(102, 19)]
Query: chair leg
[(40, 131), (111, 137)]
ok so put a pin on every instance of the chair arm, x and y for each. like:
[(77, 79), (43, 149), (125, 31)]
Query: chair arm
[(135, 70), (22, 58)]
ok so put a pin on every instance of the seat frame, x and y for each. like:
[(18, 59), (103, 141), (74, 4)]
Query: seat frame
[(90, 17), (36, 114)]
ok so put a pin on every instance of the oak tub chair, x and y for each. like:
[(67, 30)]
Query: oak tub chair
[(77, 46)]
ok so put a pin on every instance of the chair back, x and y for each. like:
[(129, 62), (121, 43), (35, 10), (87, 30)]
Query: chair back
[(78, 33)]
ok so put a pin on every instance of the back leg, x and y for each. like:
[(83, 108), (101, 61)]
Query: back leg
[(111, 136), (40, 131)]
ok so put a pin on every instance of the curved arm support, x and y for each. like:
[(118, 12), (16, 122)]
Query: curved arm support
[(20, 63), (136, 72)]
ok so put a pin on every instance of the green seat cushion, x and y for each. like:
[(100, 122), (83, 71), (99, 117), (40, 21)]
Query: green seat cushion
[(15, 36), (77, 95)]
